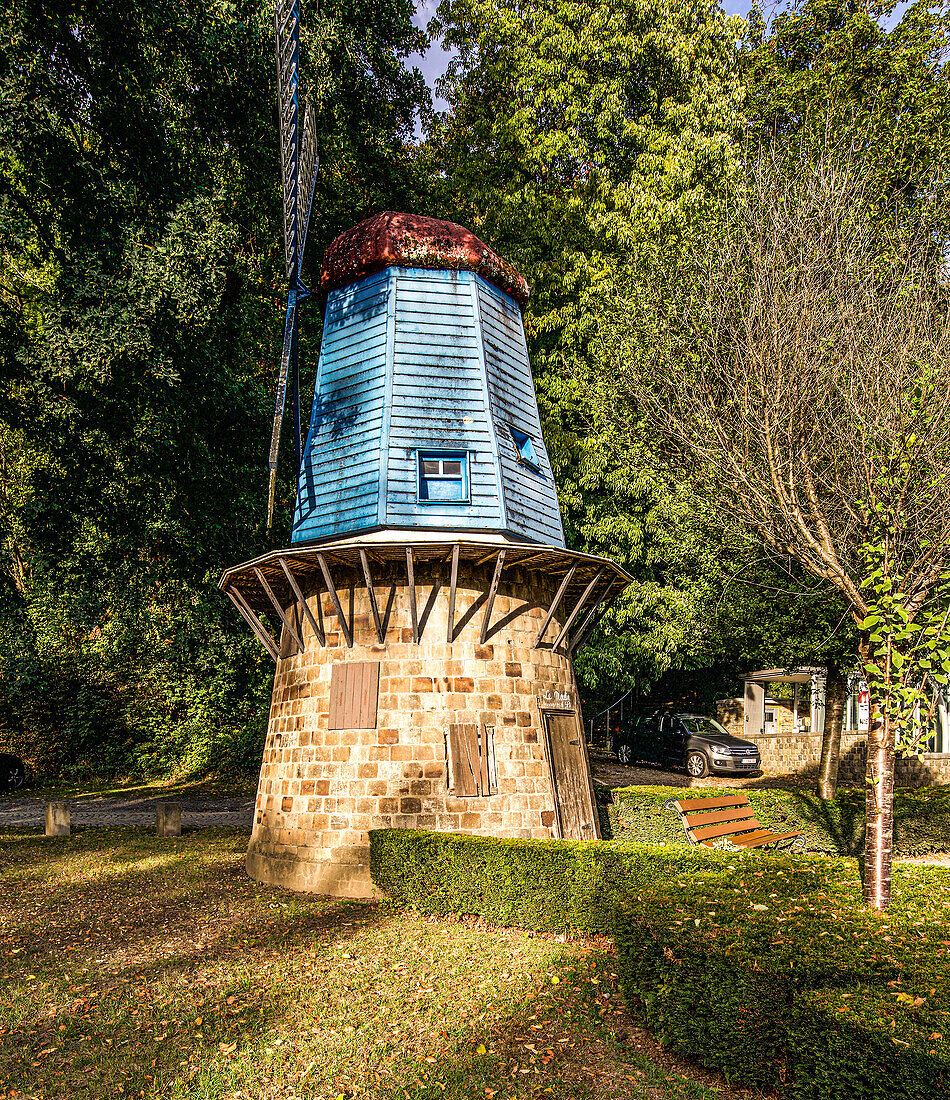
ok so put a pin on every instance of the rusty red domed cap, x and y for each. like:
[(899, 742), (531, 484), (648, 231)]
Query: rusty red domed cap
[(409, 240)]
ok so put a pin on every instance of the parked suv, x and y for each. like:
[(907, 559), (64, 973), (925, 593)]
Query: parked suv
[(691, 741)]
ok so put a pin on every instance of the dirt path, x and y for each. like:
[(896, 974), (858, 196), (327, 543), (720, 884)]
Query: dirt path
[(196, 812)]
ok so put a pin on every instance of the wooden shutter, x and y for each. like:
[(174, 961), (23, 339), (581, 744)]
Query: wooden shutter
[(463, 759), (469, 760), (354, 695)]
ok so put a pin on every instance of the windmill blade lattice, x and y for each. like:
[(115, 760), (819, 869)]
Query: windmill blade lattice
[(299, 164), (307, 175)]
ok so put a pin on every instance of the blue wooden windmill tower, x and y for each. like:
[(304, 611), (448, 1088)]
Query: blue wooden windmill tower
[(425, 417), (426, 610)]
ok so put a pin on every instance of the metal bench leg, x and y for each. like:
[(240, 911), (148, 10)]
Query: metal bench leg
[(670, 804)]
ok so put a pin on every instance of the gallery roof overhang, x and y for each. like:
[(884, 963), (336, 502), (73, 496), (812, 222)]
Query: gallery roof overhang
[(272, 583)]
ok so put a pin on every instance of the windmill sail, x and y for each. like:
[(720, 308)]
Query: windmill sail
[(299, 163), (307, 175)]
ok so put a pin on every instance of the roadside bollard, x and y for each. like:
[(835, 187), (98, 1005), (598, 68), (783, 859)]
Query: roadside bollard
[(57, 819), (168, 819)]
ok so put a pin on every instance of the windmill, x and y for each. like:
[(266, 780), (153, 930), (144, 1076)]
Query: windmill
[(299, 165), (424, 616)]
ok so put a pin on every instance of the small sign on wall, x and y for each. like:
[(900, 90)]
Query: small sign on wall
[(557, 699), (864, 706)]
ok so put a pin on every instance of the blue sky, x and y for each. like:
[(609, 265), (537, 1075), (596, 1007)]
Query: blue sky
[(434, 61)]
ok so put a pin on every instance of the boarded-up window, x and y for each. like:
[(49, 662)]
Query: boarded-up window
[(354, 695), (470, 760)]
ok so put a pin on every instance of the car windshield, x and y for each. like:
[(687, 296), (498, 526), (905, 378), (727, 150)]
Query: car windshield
[(708, 727)]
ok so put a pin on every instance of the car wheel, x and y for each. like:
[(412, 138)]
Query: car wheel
[(625, 755), (697, 765)]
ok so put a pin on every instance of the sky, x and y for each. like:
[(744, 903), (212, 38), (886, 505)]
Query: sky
[(432, 64)]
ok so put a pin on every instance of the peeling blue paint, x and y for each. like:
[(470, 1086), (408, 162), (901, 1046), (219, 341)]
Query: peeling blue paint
[(412, 360)]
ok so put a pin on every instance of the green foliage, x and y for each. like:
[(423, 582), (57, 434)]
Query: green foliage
[(140, 231), (765, 966), (551, 886), (773, 972), (906, 652), (834, 826)]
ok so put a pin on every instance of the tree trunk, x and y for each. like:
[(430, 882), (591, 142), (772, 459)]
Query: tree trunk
[(879, 835), (836, 693)]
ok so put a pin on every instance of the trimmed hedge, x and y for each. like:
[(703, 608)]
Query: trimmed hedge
[(550, 886), (766, 966), (921, 817), (774, 971)]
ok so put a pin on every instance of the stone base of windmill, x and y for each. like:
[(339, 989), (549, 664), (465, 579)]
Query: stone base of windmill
[(465, 736)]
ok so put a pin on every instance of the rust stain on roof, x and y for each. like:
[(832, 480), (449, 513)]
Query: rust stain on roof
[(409, 240)]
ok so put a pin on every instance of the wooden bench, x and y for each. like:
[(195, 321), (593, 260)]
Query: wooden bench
[(730, 819)]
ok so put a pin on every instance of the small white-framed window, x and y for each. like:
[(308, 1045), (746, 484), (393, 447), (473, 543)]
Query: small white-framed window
[(443, 477)]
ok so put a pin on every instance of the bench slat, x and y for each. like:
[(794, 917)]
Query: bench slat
[(755, 840), (728, 829), (746, 839), (687, 805), (737, 814)]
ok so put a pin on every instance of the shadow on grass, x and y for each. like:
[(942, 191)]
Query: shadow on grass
[(82, 960), (186, 979)]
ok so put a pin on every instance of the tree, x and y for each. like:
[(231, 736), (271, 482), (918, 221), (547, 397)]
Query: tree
[(583, 138), (140, 231), (835, 65), (802, 381)]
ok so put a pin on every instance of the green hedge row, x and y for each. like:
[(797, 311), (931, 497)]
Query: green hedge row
[(921, 817), (766, 966), (772, 969), (550, 886)]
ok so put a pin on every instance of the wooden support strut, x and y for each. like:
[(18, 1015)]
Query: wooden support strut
[(555, 603), (337, 606), (367, 577), (450, 629), (280, 611), (413, 612), (577, 607), (499, 565), (314, 625), (252, 621), (587, 623)]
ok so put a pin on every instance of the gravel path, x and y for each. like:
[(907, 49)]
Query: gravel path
[(196, 813)]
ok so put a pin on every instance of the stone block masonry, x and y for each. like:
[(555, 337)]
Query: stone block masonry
[(321, 790), (57, 819)]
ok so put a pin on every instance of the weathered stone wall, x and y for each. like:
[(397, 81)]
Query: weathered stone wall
[(785, 754), (798, 754), (731, 714), (322, 790)]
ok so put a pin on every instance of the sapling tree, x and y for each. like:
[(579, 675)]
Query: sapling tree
[(801, 379)]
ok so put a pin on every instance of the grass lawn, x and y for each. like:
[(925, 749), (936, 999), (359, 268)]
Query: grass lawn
[(138, 966), (921, 817)]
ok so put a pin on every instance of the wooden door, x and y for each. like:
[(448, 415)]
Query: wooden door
[(570, 777)]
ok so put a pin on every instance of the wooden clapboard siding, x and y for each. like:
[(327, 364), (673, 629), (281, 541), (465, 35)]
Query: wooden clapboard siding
[(354, 695), (439, 400), (338, 488), (415, 360), (530, 496)]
